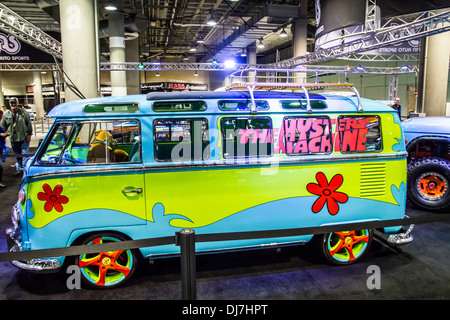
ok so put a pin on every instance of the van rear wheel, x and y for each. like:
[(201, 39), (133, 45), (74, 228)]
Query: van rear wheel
[(106, 270), (345, 247)]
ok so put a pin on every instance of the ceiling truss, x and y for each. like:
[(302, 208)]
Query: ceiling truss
[(427, 25), (21, 28)]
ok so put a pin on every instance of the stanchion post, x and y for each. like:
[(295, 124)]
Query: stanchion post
[(186, 240)]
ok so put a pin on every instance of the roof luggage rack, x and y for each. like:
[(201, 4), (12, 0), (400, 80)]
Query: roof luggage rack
[(285, 85)]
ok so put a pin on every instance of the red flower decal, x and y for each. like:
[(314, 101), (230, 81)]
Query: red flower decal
[(327, 192), (53, 198)]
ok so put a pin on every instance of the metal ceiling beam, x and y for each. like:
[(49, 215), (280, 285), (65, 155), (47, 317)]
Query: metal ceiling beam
[(375, 39), (131, 66), (27, 66), (21, 28)]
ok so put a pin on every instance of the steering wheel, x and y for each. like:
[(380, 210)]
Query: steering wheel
[(53, 159)]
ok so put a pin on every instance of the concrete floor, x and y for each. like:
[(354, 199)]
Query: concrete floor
[(416, 271)]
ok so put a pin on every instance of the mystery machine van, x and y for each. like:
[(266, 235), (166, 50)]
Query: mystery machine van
[(142, 166)]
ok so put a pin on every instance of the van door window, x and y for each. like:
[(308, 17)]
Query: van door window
[(246, 137), (359, 134), (179, 140), (93, 142)]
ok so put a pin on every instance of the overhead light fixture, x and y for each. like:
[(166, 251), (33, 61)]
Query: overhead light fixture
[(157, 74), (141, 66), (404, 68), (229, 64), (200, 41), (243, 53), (211, 21), (110, 6), (192, 49), (195, 74), (283, 34), (260, 43)]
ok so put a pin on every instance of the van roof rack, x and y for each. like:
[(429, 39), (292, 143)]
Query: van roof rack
[(285, 85)]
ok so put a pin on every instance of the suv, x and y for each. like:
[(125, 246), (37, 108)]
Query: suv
[(428, 146)]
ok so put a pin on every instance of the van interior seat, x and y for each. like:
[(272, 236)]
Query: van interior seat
[(98, 152)]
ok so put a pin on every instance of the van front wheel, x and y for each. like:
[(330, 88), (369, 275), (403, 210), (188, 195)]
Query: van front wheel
[(109, 269), (345, 247)]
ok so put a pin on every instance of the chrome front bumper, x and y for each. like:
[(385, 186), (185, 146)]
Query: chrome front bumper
[(13, 239)]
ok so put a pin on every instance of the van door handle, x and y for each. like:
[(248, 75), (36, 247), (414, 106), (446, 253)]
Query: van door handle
[(138, 190)]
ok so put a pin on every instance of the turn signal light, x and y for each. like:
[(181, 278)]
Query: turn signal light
[(22, 196)]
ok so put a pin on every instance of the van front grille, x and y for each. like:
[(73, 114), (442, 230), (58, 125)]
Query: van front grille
[(373, 180)]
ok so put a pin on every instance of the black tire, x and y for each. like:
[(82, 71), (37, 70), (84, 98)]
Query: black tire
[(429, 184), (106, 270), (346, 247)]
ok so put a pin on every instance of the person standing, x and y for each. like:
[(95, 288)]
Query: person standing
[(16, 122), (396, 106), (3, 136)]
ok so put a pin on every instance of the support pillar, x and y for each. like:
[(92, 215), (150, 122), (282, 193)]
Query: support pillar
[(117, 50), (300, 37), (251, 59), (37, 95), (436, 65), (80, 58), (133, 77)]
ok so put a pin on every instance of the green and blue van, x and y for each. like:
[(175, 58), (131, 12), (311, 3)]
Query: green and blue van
[(142, 166)]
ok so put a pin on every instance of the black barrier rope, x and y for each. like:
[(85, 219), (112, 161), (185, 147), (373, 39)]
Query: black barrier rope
[(16, 155), (150, 242)]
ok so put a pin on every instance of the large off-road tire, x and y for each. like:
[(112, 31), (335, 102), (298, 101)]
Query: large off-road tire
[(429, 184)]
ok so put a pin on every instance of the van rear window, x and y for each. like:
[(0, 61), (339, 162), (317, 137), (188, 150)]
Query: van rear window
[(181, 139), (306, 135), (164, 106), (359, 134)]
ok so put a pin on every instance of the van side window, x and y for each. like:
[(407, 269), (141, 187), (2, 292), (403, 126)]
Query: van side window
[(179, 140), (301, 104), (242, 105), (359, 134), (307, 135), (93, 142), (246, 137), (165, 106)]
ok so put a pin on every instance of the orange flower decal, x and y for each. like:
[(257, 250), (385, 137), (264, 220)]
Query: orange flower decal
[(327, 192), (53, 198)]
